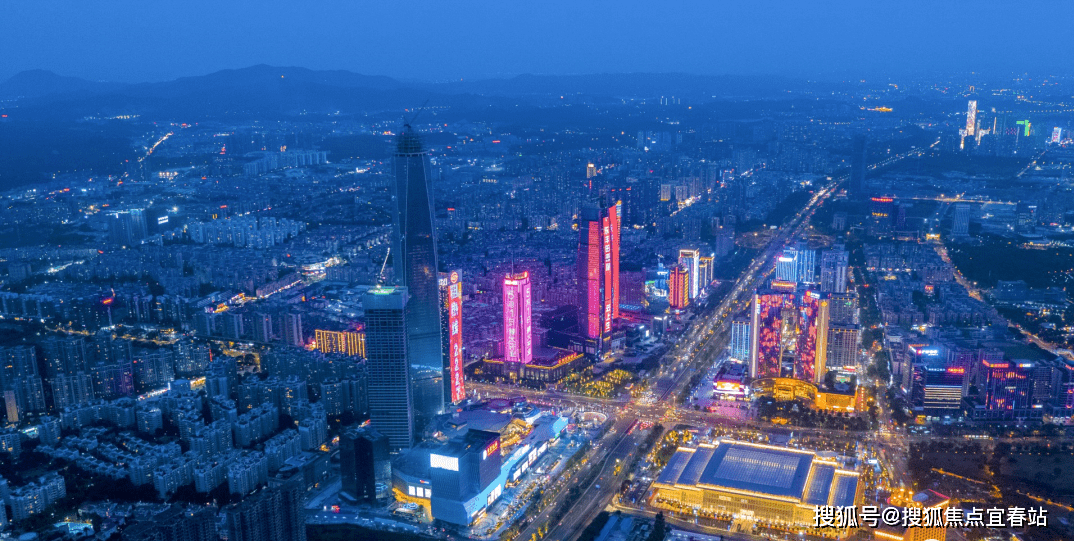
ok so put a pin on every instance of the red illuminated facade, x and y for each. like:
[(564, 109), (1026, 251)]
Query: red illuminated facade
[(812, 340), (1006, 387), (451, 321), (770, 308), (517, 318), (598, 274), (786, 323), (679, 288)]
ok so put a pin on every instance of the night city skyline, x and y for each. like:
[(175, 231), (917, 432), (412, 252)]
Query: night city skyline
[(703, 271)]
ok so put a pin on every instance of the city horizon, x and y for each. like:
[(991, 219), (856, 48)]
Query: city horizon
[(513, 272)]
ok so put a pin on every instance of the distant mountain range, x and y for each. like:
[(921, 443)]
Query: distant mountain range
[(279, 90)]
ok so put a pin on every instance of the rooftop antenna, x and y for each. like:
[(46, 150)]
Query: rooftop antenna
[(384, 266)]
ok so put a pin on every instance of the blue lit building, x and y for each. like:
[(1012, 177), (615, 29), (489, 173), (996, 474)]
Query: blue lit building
[(464, 476)]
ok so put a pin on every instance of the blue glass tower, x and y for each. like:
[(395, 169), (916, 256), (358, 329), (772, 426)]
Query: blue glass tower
[(414, 261)]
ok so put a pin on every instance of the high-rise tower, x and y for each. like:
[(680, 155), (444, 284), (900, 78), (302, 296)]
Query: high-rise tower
[(833, 269), (690, 259), (391, 405), (971, 118), (679, 288), (517, 319), (598, 275), (414, 258)]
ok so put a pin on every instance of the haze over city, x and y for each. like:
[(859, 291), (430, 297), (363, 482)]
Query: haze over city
[(616, 271), (147, 42)]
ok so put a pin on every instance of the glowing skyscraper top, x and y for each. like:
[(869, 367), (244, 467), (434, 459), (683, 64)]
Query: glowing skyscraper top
[(517, 318)]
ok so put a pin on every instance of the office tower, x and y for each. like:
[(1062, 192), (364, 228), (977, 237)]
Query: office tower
[(740, 337), (843, 346), (391, 404), (127, 228), (833, 269), (690, 259), (598, 275), (787, 265), (451, 339), (414, 261), (960, 226), (590, 170), (773, 313), (679, 288), (364, 463), (706, 270), (805, 263), (858, 167), (812, 338), (517, 319), (971, 118), (843, 308), (882, 208), (276, 513)]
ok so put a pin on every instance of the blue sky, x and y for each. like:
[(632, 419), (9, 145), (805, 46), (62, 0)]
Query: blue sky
[(153, 40)]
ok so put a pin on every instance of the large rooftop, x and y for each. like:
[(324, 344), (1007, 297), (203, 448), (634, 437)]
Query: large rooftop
[(762, 469)]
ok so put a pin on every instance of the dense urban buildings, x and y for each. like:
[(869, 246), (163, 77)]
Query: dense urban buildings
[(312, 307)]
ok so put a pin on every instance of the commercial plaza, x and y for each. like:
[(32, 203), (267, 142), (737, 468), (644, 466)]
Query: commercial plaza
[(756, 482)]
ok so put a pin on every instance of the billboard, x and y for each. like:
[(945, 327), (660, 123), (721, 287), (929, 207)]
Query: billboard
[(458, 390)]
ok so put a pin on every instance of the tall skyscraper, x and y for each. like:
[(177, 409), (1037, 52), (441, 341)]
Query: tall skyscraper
[(786, 325), (414, 258), (391, 403), (451, 338), (843, 345), (128, 227), (858, 167), (690, 259), (960, 226), (679, 288), (811, 354), (773, 311), (740, 337), (805, 263), (833, 269), (706, 270), (971, 118), (598, 275), (517, 318), (787, 266)]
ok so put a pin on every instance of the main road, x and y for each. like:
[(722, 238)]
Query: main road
[(695, 351)]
